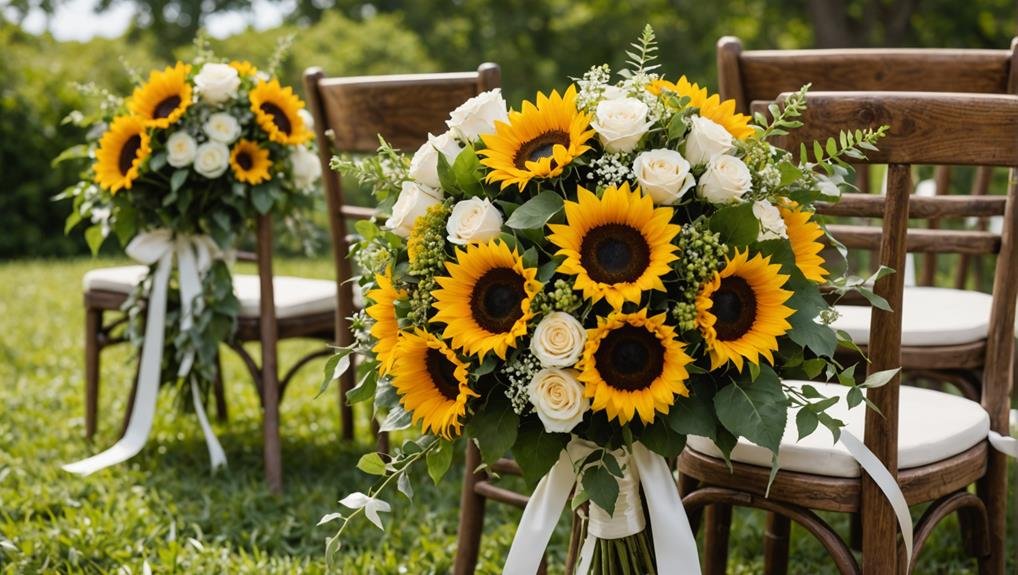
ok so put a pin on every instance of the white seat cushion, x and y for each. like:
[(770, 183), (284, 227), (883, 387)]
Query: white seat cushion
[(294, 296), (932, 426), (930, 317)]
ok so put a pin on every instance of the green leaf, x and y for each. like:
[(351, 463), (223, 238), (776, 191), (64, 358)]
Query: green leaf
[(262, 198), (335, 367), (439, 460), (660, 438), (536, 211), (693, 415), (736, 224), (446, 177), (404, 486), (875, 300), (397, 419), (177, 179), (495, 427), (94, 237), (880, 378), (468, 171), (806, 422), (157, 162), (536, 450), (602, 487), (365, 389), (372, 464), (854, 397), (757, 411), (819, 339), (72, 153), (126, 223)]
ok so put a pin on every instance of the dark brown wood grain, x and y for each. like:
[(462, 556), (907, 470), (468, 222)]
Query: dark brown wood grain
[(872, 206), (270, 365), (981, 127), (919, 239)]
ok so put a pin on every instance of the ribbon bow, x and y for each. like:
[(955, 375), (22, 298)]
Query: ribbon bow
[(194, 255)]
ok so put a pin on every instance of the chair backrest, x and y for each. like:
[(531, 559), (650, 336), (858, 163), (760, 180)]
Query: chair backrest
[(926, 128), (350, 113), (760, 75)]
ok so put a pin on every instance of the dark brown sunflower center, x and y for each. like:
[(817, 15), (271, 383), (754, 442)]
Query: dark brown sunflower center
[(614, 253), (630, 358), (128, 153), (735, 308), (443, 373), (244, 160), (540, 147), (166, 107), (279, 117), (495, 301)]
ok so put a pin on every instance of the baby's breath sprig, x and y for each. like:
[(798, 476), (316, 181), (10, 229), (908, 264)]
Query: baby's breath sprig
[(519, 372)]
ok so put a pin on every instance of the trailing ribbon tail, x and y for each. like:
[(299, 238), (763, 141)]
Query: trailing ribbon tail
[(159, 247)]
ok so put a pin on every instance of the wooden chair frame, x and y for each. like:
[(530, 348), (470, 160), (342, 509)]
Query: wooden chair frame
[(956, 129)]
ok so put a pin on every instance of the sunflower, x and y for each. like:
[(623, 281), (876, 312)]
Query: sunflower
[(741, 311), (618, 246), (485, 300), (431, 382), (386, 328), (711, 107), (164, 98), (633, 364), (250, 162), (122, 149), (243, 67), (276, 110), (538, 142), (802, 234)]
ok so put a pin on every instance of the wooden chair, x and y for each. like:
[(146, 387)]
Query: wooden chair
[(940, 454), (349, 114), (272, 308), (931, 339)]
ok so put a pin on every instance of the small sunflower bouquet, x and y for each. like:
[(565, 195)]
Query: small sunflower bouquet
[(178, 172), (584, 282)]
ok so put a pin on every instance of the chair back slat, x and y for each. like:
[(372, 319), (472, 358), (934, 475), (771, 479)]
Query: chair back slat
[(920, 240), (955, 128), (919, 207)]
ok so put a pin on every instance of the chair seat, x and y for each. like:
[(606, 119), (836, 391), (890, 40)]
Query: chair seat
[(932, 426), (294, 296), (930, 317)]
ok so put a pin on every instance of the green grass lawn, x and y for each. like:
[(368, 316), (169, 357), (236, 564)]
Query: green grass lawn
[(166, 508)]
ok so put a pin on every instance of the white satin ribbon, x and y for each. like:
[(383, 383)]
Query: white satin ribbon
[(194, 255), (674, 544)]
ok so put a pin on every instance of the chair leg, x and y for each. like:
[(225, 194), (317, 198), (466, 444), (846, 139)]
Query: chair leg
[(855, 532), (992, 489), (346, 383), (717, 527), (776, 542), (219, 391), (93, 327), (471, 525)]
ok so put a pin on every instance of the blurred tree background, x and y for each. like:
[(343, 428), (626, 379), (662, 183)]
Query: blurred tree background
[(538, 43)]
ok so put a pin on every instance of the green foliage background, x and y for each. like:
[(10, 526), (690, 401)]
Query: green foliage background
[(539, 44)]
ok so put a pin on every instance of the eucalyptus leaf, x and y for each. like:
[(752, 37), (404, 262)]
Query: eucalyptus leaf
[(178, 178)]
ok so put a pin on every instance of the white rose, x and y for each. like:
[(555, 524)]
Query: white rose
[(706, 140), (473, 220), (222, 127), (663, 175), (620, 123), (211, 159), (772, 226), (725, 180), (558, 399), (413, 201), (558, 340), (217, 83), (180, 149), (424, 165), (307, 118), (306, 167), (478, 115)]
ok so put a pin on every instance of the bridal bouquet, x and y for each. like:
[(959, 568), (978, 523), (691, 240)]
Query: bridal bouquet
[(585, 281), (177, 172)]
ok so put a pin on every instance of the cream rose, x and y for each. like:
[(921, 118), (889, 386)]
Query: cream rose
[(424, 165), (217, 83), (211, 159), (725, 180), (180, 149), (306, 167), (558, 340), (706, 140), (478, 115), (413, 201), (663, 175), (558, 399), (620, 123), (772, 226), (473, 220), (222, 127)]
